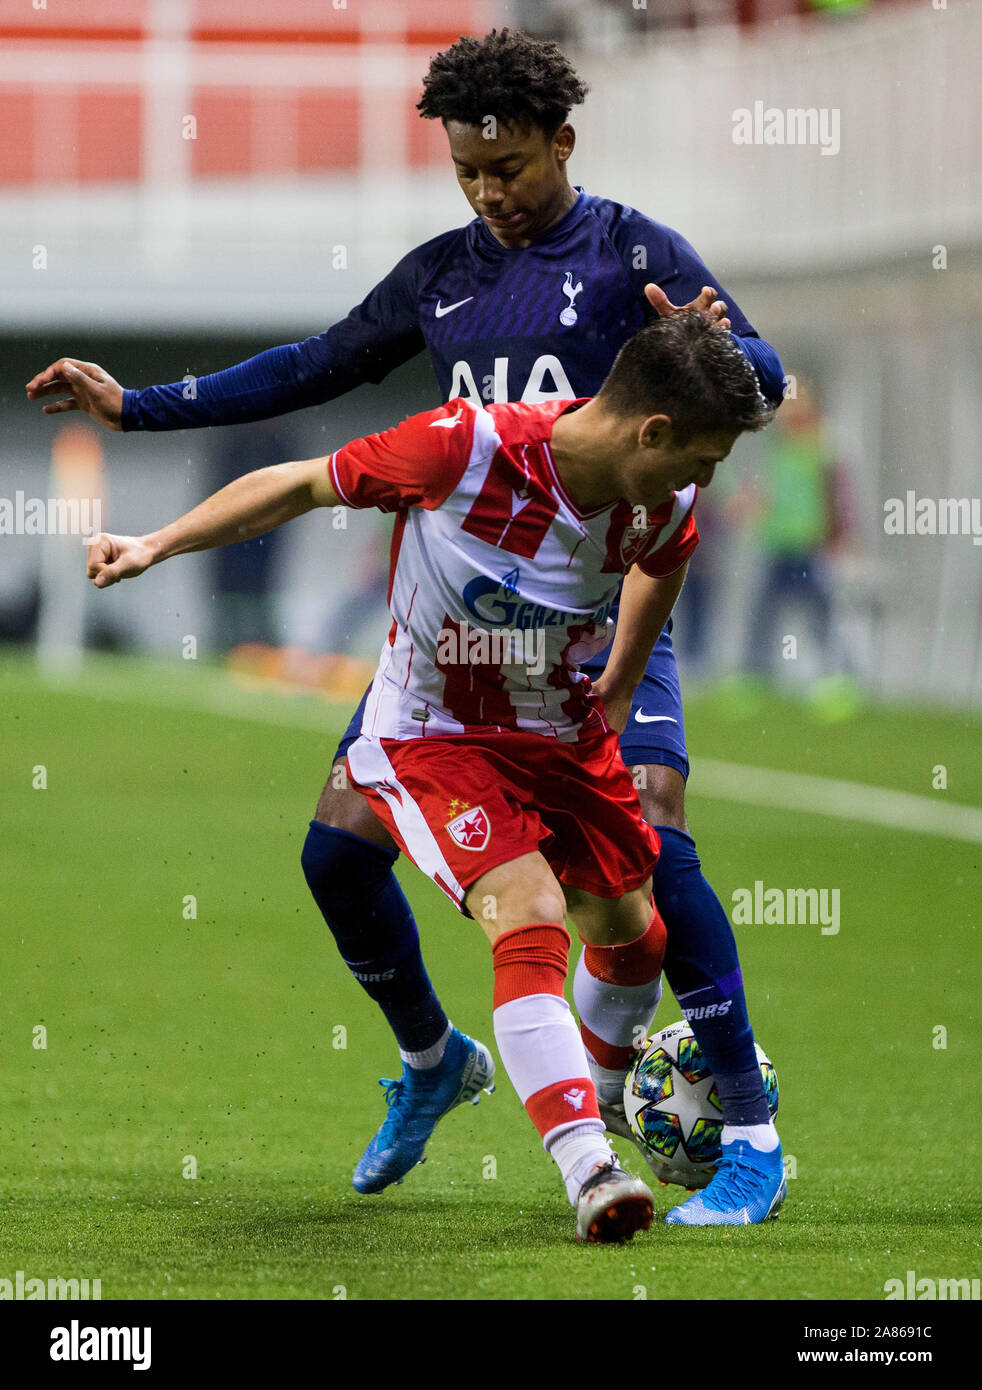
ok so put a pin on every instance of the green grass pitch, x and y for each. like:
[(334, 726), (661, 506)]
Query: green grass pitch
[(235, 1042)]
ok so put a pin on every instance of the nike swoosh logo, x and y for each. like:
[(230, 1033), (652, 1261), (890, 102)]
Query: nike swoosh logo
[(440, 310), (654, 718)]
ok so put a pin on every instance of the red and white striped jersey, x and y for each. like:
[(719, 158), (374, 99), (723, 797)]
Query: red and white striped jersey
[(499, 584)]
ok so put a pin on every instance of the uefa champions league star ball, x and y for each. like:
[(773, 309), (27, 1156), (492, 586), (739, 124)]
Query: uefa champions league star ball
[(673, 1108)]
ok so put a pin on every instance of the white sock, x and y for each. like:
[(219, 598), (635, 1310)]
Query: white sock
[(578, 1152), (608, 1084), (762, 1137), (611, 1019), (430, 1056)]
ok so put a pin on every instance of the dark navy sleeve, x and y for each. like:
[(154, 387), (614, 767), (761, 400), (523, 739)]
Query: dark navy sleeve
[(672, 263), (376, 337)]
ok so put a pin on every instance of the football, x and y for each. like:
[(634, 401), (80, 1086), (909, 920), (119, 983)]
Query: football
[(673, 1108)]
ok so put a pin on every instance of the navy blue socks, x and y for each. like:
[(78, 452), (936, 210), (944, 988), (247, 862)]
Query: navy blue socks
[(703, 969), (362, 903), (360, 900)]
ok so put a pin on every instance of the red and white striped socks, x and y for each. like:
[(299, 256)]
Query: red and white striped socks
[(616, 990), (542, 1050)]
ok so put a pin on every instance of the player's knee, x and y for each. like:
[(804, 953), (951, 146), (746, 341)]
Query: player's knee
[(612, 921), (340, 869), (521, 893), (661, 791), (321, 857), (529, 909), (547, 906)]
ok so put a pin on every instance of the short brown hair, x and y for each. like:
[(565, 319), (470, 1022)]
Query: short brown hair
[(691, 370)]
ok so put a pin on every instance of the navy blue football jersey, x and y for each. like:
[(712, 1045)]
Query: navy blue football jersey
[(537, 323)]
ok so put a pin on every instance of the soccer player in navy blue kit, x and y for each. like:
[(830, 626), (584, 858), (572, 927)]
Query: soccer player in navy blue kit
[(529, 301)]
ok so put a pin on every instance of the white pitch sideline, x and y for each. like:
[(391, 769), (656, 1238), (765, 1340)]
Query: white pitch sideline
[(827, 796), (722, 781)]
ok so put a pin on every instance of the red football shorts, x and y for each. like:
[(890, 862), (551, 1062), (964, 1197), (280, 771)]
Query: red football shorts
[(461, 805)]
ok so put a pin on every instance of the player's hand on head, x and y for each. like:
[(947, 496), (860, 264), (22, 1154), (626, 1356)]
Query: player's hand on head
[(707, 303), (112, 558), (81, 386)]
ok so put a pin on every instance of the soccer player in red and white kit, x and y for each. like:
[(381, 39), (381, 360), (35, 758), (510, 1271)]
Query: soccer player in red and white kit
[(483, 749), (530, 300)]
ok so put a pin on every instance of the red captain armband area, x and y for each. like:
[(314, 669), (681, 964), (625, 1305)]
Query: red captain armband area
[(415, 464), (677, 537)]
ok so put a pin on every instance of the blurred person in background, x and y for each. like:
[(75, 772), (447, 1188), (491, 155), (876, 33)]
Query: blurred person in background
[(692, 617), (244, 573), (798, 509), (358, 610)]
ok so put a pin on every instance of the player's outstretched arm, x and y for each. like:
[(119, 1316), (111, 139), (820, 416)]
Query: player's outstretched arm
[(250, 506), (377, 335), (275, 382), (81, 386), (645, 607)]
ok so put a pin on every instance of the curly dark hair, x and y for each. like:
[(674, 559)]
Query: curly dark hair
[(507, 74), (689, 369)]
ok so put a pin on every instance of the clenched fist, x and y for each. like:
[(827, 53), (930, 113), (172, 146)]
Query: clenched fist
[(112, 558)]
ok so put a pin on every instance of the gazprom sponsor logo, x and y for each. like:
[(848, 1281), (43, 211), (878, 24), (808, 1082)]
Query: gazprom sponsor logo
[(495, 605)]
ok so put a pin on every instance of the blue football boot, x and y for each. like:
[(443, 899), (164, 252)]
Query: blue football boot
[(417, 1101), (748, 1187)]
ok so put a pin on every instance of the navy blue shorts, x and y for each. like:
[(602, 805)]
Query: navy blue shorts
[(656, 730)]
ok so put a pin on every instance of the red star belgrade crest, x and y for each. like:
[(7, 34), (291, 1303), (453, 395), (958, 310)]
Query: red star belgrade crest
[(634, 542), (626, 542), (471, 830)]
